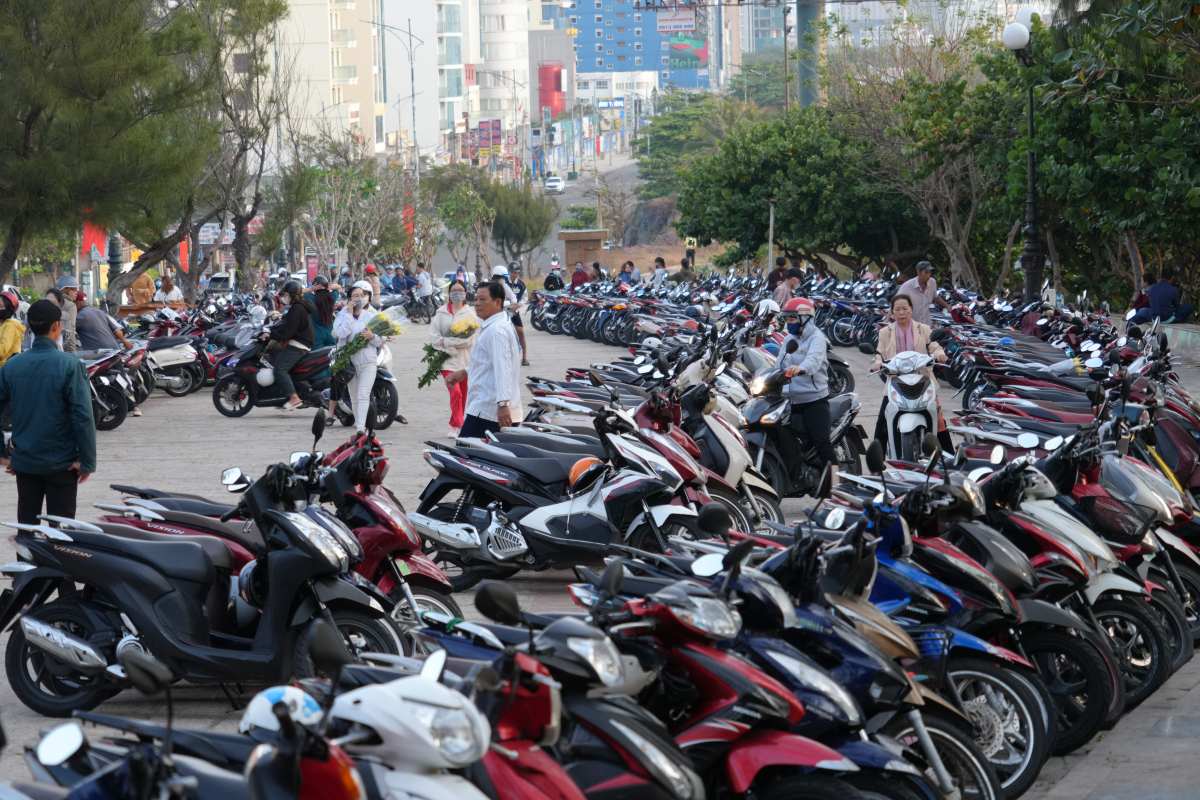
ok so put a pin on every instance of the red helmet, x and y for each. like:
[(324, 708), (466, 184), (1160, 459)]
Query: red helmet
[(799, 306)]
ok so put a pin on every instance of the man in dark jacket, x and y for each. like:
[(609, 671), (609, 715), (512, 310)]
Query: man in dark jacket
[(53, 444)]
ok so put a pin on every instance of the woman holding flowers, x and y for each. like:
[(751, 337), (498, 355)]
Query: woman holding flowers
[(453, 334), (350, 324)]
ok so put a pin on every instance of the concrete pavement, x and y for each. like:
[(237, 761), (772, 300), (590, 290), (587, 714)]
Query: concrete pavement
[(183, 444)]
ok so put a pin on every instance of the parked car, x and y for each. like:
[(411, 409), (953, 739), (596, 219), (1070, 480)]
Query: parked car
[(555, 185)]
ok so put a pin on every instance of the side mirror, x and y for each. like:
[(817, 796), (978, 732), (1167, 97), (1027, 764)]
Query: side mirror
[(1162, 341), (1043, 321), (996, 457), (708, 565), (930, 445), (296, 460), (234, 480), (318, 426), (1053, 444), (498, 602), (979, 473), (714, 519), (60, 744), (1124, 340), (1130, 314), (1094, 363), (875, 461), (1027, 441), (595, 379), (737, 554), (327, 649), (835, 519), (867, 348), (434, 664)]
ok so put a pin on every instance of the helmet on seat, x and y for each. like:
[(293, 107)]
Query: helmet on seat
[(259, 715), (584, 473)]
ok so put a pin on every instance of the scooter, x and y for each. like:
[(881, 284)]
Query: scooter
[(911, 404)]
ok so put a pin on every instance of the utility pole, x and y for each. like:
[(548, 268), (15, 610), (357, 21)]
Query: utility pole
[(412, 78), (787, 69)]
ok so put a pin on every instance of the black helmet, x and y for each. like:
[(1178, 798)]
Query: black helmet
[(293, 289), (320, 280)]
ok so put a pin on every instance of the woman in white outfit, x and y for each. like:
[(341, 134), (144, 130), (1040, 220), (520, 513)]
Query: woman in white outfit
[(350, 322)]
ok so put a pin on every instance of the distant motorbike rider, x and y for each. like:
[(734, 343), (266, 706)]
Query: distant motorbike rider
[(805, 362), (291, 338)]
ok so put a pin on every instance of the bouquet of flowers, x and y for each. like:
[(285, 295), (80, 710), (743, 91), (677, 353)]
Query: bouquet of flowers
[(382, 324), (436, 359)]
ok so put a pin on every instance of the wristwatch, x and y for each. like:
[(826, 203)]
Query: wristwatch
[(502, 404)]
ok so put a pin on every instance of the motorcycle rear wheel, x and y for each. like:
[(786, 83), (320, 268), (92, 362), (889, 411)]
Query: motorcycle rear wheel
[(42, 682), (386, 402), (185, 389), (362, 633), (841, 380), (966, 763), (118, 407), (1169, 610), (1140, 643), (731, 502), (1076, 676)]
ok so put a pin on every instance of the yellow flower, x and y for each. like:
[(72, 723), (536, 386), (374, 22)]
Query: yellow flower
[(464, 328)]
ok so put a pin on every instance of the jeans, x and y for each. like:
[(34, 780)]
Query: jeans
[(475, 427), (57, 489), (359, 392), (1183, 312), (283, 362), (811, 421), (458, 401)]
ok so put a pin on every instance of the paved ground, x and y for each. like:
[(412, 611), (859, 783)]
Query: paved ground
[(183, 444)]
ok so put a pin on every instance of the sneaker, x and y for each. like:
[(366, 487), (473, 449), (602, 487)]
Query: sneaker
[(452, 433), (293, 406), (136, 412), (524, 362)]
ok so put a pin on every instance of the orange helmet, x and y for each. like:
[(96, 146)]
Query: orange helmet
[(584, 473), (799, 306)]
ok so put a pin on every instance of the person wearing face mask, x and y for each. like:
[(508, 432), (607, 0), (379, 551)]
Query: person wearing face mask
[(352, 321), (291, 338), (459, 350), (805, 362)]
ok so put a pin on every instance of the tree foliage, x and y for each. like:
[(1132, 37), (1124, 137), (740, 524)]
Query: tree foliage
[(523, 220)]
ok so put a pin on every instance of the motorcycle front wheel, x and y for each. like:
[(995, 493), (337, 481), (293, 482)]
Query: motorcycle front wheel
[(386, 403), (1140, 643), (966, 763), (809, 787), (1075, 674), (362, 633), (232, 396), (188, 377)]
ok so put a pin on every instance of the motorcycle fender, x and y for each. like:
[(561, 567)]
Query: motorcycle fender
[(416, 785), (337, 591), (752, 478), (384, 375), (1107, 582), (910, 422), (871, 755), (1040, 613), (30, 588), (661, 514), (1178, 547), (412, 565), (932, 698), (961, 640), (763, 750)]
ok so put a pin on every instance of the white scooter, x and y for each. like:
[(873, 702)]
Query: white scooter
[(911, 404)]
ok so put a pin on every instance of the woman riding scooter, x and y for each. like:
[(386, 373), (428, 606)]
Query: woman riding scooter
[(905, 334), (291, 338), (803, 356)]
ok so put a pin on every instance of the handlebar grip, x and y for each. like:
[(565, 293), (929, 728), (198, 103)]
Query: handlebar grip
[(230, 514)]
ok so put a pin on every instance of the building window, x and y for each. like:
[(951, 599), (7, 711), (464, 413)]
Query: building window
[(608, 53), (599, 62), (637, 16), (378, 128), (584, 84), (573, 20), (637, 61), (601, 84), (665, 59), (599, 47), (609, 37), (621, 58), (599, 33), (637, 32), (637, 46), (599, 19)]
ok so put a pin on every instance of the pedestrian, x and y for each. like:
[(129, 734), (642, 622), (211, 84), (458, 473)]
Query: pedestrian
[(52, 448), (323, 298), (518, 290), (99, 331), (494, 372), (777, 275), (456, 311), (12, 332), (291, 338), (660, 271), (168, 292), (685, 269), (352, 322), (625, 276), (579, 277), (67, 288), (905, 334), (372, 277), (922, 290), (787, 287), (424, 290)]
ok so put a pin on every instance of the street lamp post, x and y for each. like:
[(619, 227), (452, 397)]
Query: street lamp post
[(1016, 37)]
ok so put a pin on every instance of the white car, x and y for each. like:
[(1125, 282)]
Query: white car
[(555, 185)]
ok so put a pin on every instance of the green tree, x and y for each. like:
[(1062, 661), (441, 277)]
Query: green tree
[(523, 220), (759, 79), (459, 210), (579, 218)]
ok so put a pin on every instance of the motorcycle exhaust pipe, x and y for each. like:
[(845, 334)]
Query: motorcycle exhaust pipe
[(62, 645), (458, 535), (170, 381)]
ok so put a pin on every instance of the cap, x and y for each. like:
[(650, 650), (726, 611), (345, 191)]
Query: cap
[(320, 280), (365, 286), (43, 312), (67, 282)]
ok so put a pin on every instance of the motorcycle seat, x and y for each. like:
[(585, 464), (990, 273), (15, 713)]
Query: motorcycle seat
[(204, 508), (558, 442), (565, 459), (1042, 426), (163, 342), (541, 468), (225, 750), (184, 560), (840, 405), (213, 547), (250, 539), (41, 791)]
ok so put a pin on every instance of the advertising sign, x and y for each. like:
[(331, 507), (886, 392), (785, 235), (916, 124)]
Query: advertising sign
[(497, 137), (676, 20)]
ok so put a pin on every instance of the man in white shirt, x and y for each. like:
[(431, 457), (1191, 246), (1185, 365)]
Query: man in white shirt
[(494, 373), (922, 290)]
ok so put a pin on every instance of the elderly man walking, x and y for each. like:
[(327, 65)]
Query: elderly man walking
[(494, 372)]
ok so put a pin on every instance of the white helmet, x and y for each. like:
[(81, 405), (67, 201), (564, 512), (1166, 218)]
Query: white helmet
[(265, 376), (365, 286), (301, 706), (766, 306), (499, 271)]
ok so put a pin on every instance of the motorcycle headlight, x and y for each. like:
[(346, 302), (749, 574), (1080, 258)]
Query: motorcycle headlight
[(818, 680), (668, 769), (757, 386), (601, 655), (710, 616), (321, 541), (345, 536), (453, 732)]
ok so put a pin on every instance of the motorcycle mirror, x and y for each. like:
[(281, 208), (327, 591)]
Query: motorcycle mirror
[(1130, 314), (997, 455), (707, 565), (498, 602), (866, 348), (60, 744), (1162, 341), (613, 577), (714, 519), (234, 480), (1027, 441), (835, 519), (979, 473), (147, 674), (318, 426), (1053, 444), (1094, 363), (434, 664), (327, 649), (1043, 321), (296, 459), (737, 554), (639, 360), (645, 369), (875, 461), (929, 445)]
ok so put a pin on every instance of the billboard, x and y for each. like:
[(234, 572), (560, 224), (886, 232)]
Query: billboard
[(676, 20), (497, 137)]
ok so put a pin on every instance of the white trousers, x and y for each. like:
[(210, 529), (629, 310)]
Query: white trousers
[(360, 393)]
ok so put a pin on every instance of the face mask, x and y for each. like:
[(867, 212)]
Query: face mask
[(794, 328), (284, 300), (357, 302), (457, 297)]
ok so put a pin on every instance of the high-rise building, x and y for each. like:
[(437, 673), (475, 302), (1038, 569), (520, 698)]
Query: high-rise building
[(625, 36)]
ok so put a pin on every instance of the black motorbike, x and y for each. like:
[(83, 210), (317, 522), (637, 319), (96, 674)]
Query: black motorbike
[(788, 460), (82, 596)]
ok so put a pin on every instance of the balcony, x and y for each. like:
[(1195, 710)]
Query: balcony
[(343, 37), (345, 76)]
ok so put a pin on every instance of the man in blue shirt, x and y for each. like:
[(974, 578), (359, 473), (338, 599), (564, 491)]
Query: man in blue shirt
[(1166, 303), (53, 444)]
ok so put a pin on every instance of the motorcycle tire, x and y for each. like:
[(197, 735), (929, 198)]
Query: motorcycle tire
[(1005, 712), (972, 396), (118, 407), (386, 402), (731, 501), (186, 388), (850, 451), (1166, 606), (245, 394), (43, 683), (841, 332), (841, 380), (1068, 666), (808, 787), (1191, 606), (884, 786), (911, 445), (148, 379), (1141, 645), (966, 763), (198, 377), (768, 506), (642, 537), (362, 632)]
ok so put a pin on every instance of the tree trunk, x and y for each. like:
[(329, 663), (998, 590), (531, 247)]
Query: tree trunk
[(1136, 265), (1006, 267), (12, 248)]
